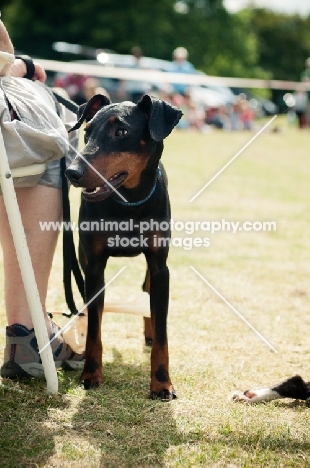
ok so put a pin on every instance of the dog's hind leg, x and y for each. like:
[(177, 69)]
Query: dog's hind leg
[(148, 332)]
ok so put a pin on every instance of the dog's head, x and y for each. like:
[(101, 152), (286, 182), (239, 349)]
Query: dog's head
[(121, 141)]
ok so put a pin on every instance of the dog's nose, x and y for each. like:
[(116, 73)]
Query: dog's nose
[(74, 174)]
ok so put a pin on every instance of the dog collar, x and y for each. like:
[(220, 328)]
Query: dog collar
[(121, 202)]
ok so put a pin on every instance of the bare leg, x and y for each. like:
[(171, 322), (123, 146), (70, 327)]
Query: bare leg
[(36, 204)]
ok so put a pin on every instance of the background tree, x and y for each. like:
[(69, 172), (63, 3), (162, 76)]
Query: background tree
[(283, 45), (218, 42), (283, 42), (96, 23), (251, 43)]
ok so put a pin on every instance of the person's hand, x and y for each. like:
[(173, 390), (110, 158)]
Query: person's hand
[(19, 70), (39, 73)]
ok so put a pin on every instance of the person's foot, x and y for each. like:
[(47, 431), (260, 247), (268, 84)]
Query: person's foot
[(22, 358)]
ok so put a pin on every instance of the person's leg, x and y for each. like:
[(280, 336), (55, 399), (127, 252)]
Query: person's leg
[(36, 204), (21, 356)]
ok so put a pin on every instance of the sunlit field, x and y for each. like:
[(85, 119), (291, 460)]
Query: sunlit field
[(264, 275)]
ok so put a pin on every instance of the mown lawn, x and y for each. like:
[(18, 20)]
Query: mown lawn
[(264, 275)]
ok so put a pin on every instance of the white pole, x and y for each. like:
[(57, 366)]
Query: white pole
[(25, 264)]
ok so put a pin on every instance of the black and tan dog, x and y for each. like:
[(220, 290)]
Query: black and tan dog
[(293, 387), (121, 161)]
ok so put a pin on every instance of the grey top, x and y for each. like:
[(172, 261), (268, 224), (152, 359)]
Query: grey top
[(39, 136)]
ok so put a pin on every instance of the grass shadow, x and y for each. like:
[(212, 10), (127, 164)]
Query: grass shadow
[(118, 418), (294, 405), (27, 434)]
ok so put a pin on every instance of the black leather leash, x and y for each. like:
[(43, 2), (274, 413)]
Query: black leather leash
[(72, 106), (70, 261)]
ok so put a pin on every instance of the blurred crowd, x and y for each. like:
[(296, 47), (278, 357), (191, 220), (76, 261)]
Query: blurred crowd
[(237, 114), (234, 116)]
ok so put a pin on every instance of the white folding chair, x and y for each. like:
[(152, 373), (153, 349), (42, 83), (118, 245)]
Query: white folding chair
[(22, 251)]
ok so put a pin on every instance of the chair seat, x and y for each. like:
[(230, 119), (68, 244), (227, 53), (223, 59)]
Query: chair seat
[(25, 171)]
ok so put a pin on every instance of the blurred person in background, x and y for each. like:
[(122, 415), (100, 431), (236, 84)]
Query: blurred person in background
[(235, 115), (215, 117), (91, 87), (247, 115), (301, 106), (181, 65), (73, 83), (305, 78)]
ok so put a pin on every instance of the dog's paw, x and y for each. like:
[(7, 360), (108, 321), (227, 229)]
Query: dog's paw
[(261, 395), (164, 395), (89, 384), (91, 380), (240, 397)]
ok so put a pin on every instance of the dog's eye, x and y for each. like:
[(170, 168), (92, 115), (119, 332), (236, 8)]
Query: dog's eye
[(120, 132)]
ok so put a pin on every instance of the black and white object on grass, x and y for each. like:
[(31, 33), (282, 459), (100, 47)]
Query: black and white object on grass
[(294, 387)]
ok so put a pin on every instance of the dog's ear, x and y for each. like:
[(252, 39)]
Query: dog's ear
[(88, 110), (162, 117)]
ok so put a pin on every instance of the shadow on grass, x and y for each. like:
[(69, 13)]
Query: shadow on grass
[(26, 431), (294, 405), (122, 423), (117, 426)]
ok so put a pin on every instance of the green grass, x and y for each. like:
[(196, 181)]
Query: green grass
[(265, 275)]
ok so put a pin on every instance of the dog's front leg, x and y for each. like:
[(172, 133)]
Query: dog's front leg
[(161, 386), (94, 282)]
